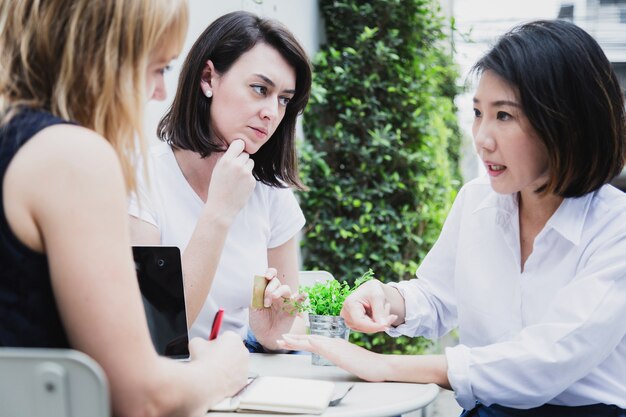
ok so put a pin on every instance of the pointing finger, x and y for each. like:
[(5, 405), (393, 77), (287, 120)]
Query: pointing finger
[(235, 148)]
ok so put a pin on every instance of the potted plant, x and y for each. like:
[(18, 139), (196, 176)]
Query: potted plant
[(323, 303)]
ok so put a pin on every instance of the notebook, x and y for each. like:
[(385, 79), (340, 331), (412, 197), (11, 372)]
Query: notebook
[(277, 394), (160, 275)]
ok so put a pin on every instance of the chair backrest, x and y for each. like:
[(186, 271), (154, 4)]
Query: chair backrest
[(38, 382), (308, 278)]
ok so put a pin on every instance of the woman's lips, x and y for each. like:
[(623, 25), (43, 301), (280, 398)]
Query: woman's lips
[(259, 132), (495, 169)]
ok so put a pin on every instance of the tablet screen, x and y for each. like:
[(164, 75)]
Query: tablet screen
[(160, 276)]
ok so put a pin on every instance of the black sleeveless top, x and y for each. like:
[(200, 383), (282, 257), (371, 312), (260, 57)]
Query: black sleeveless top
[(28, 312)]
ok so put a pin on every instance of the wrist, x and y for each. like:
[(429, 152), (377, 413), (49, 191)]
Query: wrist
[(216, 218), (396, 302), (389, 373), (262, 345), (267, 328), (440, 365), (422, 369)]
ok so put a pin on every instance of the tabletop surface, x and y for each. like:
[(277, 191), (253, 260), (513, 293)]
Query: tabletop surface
[(366, 399)]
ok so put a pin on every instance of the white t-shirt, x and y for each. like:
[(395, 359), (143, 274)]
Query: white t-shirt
[(270, 218), (555, 333)]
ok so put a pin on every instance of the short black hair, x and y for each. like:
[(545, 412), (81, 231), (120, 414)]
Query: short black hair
[(571, 97), (186, 124)]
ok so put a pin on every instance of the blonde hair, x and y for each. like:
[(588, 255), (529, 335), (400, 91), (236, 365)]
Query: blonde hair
[(86, 61)]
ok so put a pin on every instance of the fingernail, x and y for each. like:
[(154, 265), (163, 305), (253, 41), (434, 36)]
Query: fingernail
[(267, 302)]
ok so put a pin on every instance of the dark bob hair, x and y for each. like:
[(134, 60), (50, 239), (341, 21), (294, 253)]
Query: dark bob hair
[(186, 124), (571, 97)]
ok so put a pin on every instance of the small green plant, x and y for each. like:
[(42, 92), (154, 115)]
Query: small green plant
[(326, 298)]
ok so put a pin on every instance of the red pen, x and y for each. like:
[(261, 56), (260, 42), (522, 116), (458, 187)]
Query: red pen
[(217, 323)]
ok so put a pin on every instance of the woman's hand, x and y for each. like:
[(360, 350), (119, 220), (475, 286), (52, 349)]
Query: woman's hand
[(367, 308), (277, 316), (366, 365), (274, 291), (232, 181), (226, 357), (372, 366)]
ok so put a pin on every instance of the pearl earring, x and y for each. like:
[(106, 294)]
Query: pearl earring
[(208, 93)]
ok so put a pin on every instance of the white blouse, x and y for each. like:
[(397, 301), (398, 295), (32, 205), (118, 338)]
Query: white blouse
[(554, 333), (270, 218)]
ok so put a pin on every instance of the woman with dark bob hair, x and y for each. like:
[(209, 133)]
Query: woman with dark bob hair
[(220, 183), (531, 262)]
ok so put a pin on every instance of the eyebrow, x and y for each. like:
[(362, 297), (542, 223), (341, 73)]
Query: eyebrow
[(270, 82), (501, 103)]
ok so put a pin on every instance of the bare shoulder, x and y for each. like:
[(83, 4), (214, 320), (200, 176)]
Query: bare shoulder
[(65, 153), (70, 144), (62, 161), (61, 167)]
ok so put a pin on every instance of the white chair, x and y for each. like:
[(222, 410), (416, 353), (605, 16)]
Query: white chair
[(38, 382), (308, 278)]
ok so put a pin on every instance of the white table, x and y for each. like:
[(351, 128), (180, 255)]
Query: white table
[(366, 399)]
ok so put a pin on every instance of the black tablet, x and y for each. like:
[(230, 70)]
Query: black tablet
[(160, 276)]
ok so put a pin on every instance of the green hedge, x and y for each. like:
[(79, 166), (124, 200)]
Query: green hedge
[(382, 143)]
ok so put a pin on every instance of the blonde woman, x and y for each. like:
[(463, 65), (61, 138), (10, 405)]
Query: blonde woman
[(74, 76)]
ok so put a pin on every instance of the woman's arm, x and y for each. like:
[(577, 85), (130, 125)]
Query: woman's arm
[(230, 186), (67, 182), (370, 366), (270, 323), (199, 259)]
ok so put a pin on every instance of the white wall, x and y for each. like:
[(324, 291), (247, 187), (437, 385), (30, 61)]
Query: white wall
[(300, 16)]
